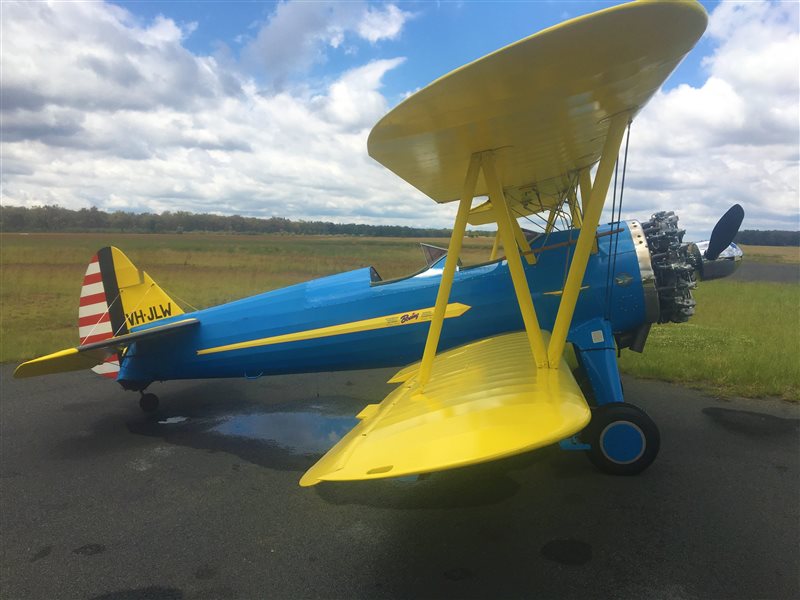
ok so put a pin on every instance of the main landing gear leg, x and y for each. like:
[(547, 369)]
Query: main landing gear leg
[(621, 438), (148, 402)]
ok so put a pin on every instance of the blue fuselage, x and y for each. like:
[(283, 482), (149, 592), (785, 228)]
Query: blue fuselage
[(348, 297)]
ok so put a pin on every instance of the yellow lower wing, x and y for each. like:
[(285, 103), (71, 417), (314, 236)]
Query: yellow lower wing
[(484, 401)]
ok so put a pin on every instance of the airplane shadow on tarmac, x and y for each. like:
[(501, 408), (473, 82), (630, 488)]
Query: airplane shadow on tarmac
[(292, 436)]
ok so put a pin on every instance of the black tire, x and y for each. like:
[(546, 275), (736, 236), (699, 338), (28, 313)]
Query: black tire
[(148, 403), (623, 440)]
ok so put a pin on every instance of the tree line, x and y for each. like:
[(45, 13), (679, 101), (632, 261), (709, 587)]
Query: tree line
[(774, 237), (53, 218)]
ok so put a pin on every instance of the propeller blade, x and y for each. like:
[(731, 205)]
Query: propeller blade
[(724, 232)]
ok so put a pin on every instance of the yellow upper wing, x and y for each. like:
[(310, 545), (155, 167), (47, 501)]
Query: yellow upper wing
[(485, 400), (542, 103)]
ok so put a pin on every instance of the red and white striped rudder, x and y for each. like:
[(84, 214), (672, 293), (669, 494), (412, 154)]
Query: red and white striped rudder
[(94, 320)]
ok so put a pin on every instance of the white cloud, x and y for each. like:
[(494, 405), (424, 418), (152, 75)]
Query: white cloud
[(736, 137), (354, 100), (297, 35), (168, 130), (383, 24), (96, 57)]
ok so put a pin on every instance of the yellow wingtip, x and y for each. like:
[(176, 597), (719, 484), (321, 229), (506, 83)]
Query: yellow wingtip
[(308, 481), (62, 361)]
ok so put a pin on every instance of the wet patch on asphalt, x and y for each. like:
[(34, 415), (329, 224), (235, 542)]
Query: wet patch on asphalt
[(105, 437), (41, 553), (458, 574), (752, 424), (205, 572), (90, 549), (289, 437), (84, 406), (567, 552), (292, 436)]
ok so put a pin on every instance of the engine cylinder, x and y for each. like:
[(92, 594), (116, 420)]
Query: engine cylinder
[(674, 267)]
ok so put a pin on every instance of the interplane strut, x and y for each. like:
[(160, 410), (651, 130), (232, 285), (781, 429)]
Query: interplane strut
[(586, 239), (513, 239), (453, 252), (506, 232)]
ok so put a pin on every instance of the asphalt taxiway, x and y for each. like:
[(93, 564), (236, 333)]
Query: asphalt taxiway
[(201, 501), (772, 272)]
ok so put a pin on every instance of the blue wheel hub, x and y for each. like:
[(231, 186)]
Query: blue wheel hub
[(622, 442)]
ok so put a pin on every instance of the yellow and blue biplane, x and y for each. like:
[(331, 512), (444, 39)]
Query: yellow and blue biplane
[(536, 128)]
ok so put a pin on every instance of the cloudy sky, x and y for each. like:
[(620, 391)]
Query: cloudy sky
[(263, 108)]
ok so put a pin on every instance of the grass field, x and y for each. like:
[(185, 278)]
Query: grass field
[(743, 340), (772, 254)]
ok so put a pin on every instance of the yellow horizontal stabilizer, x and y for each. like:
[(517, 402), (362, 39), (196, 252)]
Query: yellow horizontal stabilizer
[(95, 353), (484, 401), (62, 361)]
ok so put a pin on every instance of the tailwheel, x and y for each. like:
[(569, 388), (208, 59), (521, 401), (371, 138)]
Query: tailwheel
[(623, 440), (148, 403)]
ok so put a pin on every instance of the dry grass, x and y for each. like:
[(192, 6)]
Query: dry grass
[(772, 254)]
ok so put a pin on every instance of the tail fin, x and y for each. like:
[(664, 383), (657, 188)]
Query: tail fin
[(115, 297)]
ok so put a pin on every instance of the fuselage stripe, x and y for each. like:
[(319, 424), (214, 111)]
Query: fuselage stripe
[(420, 315), (559, 292)]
